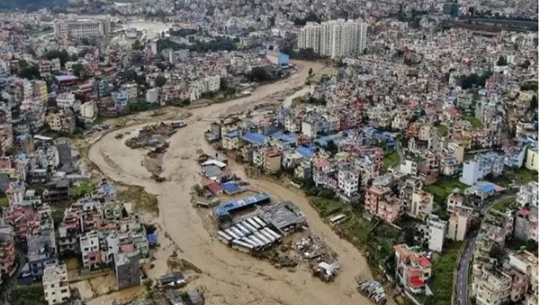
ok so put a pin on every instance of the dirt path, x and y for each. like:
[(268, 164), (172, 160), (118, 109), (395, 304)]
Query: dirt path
[(230, 277)]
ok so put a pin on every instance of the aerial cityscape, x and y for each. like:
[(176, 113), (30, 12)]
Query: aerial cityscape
[(303, 152)]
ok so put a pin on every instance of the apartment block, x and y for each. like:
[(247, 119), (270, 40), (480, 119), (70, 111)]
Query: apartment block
[(348, 181), (458, 224), (437, 232), (528, 194), (90, 250), (56, 284), (420, 205), (83, 28), (413, 269), (8, 256), (491, 286), (334, 38), (380, 202)]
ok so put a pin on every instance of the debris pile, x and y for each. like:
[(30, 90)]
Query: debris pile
[(322, 260), (373, 290), (152, 136)]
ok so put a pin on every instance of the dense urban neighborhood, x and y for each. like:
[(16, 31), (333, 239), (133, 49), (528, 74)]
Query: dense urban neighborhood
[(308, 152)]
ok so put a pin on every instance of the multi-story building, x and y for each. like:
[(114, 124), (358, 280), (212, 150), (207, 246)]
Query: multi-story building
[(526, 224), (437, 232), (56, 284), (90, 250), (334, 38), (490, 286), (380, 202), (79, 29), (348, 181), (41, 250), (531, 161), (413, 269), (420, 205), (483, 165), (458, 224), (8, 256), (120, 99), (528, 194), (62, 120), (65, 100), (131, 89)]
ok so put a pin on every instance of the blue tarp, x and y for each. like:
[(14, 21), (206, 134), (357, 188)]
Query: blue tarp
[(487, 187), (230, 187), (307, 152), (152, 239), (226, 208)]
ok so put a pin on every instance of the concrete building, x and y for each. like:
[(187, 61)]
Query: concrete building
[(89, 110), (8, 256), (528, 194), (412, 269), (491, 287), (420, 205), (531, 161), (62, 121), (458, 224), (437, 232), (56, 284), (483, 165), (278, 59), (152, 95), (334, 38), (131, 89), (128, 272), (348, 181), (90, 252), (65, 100), (83, 28)]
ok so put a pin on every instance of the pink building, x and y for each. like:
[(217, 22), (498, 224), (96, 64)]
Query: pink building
[(381, 203), (412, 269)]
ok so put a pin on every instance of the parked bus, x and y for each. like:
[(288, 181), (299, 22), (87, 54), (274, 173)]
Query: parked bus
[(273, 233), (263, 238), (335, 220), (238, 232), (242, 246), (224, 238), (232, 234), (255, 224), (249, 226), (242, 228), (260, 221), (268, 236), (255, 245), (257, 240)]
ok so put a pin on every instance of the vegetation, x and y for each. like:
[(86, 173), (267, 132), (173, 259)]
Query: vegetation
[(4, 201), (29, 295), (182, 32), (504, 203), (160, 81), (63, 55), (474, 122), (391, 158), (442, 130), (502, 61), (306, 54), (443, 268), (443, 187), (530, 86), (523, 175), (58, 217), (258, 74), (32, 5), (81, 190), (471, 80), (141, 200), (218, 44)]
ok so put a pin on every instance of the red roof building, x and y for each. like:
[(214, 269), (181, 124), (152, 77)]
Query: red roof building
[(413, 269)]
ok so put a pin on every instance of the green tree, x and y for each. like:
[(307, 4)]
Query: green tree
[(160, 81), (310, 71), (502, 61), (58, 217), (78, 70), (258, 74), (137, 45), (409, 236)]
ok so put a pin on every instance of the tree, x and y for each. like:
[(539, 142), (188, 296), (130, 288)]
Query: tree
[(409, 236), (331, 147), (78, 70), (502, 61), (160, 81), (137, 45), (310, 72), (258, 74), (58, 217)]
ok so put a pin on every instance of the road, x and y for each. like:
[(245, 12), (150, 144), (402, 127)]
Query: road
[(461, 296)]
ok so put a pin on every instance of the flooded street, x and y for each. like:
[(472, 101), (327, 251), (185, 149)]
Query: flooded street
[(230, 277)]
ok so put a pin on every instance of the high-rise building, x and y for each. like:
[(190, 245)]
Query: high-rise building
[(334, 38)]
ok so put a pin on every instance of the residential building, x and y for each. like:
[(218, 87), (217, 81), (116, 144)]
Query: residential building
[(152, 95), (531, 161), (65, 100), (120, 99), (420, 205), (278, 59), (528, 194), (437, 232), (41, 250), (380, 202), (413, 269), (482, 165), (131, 90), (272, 160), (8, 256), (128, 272), (458, 224), (348, 181), (334, 38), (89, 110), (490, 286), (526, 224), (408, 168), (63, 121), (90, 250), (56, 284)]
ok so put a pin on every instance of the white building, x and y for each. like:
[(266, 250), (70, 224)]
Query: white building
[(83, 28), (152, 95), (90, 249), (89, 110), (131, 90), (65, 100), (212, 83), (437, 232), (55, 284), (458, 224), (482, 165), (334, 38), (528, 194), (408, 168), (348, 180)]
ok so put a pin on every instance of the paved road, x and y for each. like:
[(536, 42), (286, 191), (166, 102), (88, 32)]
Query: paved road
[(462, 282), (461, 296)]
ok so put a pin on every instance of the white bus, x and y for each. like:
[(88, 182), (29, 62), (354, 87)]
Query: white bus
[(273, 233), (242, 246), (260, 221), (224, 238), (238, 232), (268, 236), (263, 238), (250, 242), (255, 224), (249, 226), (242, 228), (232, 234), (335, 220), (257, 240)]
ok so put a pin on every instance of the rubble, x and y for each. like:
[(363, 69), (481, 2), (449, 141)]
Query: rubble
[(153, 136)]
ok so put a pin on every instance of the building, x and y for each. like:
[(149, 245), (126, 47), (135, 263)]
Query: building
[(531, 161), (334, 38), (420, 205), (491, 286), (278, 59), (128, 272), (131, 89), (348, 181), (482, 165), (413, 269), (381, 202), (56, 284), (528, 194), (437, 232), (41, 251), (62, 121), (152, 95), (8, 256), (89, 110), (458, 224), (90, 251), (83, 28), (526, 224), (65, 100)]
